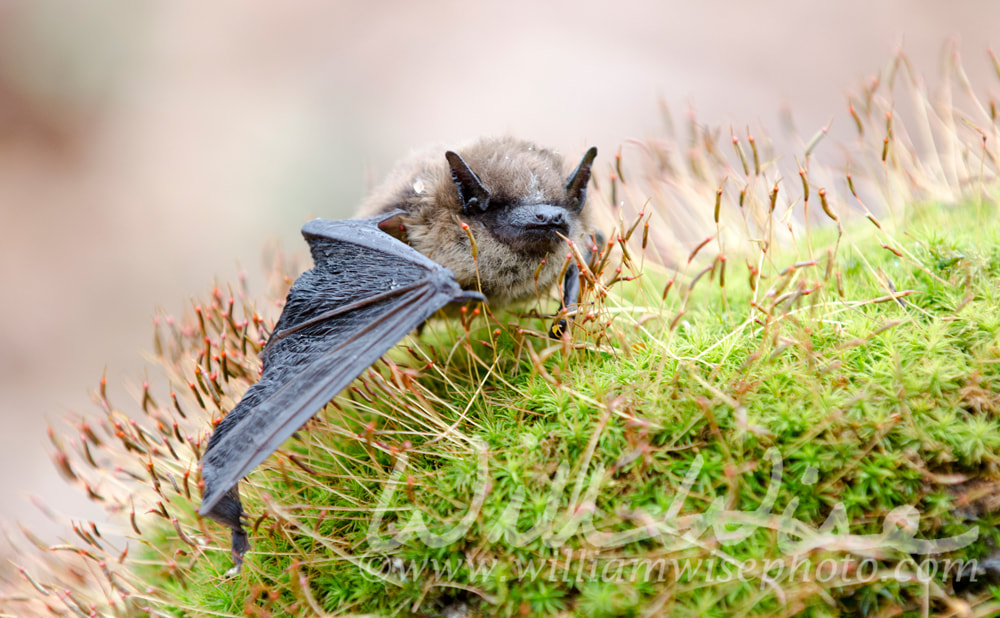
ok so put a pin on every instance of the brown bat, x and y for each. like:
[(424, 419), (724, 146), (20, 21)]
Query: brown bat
[(378, 277)]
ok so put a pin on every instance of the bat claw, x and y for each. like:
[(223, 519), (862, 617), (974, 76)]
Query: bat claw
[(469, 295)]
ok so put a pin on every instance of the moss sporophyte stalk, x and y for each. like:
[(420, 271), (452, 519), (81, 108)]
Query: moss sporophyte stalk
[(759, 407)]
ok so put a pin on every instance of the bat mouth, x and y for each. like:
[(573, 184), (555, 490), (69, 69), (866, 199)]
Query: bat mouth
[(547, 228), (545, 232), (533, 230), (537, 241)]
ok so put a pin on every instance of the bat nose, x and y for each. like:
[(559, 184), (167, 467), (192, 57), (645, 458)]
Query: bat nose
[(550, 219), (542, 218)]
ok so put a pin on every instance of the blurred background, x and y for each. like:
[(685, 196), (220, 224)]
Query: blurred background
[(151, 147)]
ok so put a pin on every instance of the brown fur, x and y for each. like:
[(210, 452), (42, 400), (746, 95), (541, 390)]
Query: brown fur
[(515, 172)]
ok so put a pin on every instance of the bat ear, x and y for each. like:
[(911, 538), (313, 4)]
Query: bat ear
[(472, 193), (576, 186), (393, 226)]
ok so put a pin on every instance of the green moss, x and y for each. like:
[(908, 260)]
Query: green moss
[(865, 403)]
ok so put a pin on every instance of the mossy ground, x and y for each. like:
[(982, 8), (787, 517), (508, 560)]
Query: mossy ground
[(871, 403)]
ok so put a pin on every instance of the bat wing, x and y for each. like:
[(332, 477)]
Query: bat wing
[(366, 291)]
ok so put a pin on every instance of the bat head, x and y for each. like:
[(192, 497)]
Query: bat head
[(519, 197), (519, 201)]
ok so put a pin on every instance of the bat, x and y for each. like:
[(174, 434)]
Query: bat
[(378, 277)]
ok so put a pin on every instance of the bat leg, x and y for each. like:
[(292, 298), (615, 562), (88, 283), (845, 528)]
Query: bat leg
[(241, 543), (571, 293), (571, 290), (228, 511)]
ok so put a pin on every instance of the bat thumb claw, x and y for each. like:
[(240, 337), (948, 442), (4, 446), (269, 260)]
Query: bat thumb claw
[(469, 295)]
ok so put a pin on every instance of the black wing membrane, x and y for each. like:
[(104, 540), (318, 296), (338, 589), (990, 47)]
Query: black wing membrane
[(366, 291)]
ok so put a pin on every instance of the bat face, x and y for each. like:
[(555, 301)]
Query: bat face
[(519, 202)]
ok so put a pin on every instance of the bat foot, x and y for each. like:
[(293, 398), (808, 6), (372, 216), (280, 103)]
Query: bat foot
[(228, 511), (241, 543)]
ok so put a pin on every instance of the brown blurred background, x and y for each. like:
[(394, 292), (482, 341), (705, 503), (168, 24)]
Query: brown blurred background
[(148, 147)]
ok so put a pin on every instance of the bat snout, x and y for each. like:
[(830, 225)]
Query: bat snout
[(543, 218), (533, 230), (555, 219)]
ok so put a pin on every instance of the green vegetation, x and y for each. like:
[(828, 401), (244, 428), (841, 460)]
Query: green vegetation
[(871, 403)]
